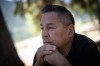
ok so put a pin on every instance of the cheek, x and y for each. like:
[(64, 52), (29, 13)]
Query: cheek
[(58, 37)]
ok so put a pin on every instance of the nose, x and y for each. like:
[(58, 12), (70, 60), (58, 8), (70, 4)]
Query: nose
[(45, 34)]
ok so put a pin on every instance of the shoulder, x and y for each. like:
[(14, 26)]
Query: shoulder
[(84, 40), (87, 49), (85, 45)]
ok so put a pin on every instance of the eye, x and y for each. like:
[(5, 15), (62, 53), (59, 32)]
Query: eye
[(51, 28)]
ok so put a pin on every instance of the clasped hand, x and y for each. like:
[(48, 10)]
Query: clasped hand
[(49, 53)]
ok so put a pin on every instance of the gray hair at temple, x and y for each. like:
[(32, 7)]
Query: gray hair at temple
[(64, 14)]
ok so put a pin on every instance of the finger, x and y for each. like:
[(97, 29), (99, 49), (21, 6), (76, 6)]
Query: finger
[(46, 53), (46, 58), (49, 47)]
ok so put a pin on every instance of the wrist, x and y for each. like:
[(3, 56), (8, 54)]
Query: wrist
[(64, 63), (37, 64)]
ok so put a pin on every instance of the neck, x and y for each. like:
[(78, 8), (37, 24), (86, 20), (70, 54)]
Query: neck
[(66, 48)]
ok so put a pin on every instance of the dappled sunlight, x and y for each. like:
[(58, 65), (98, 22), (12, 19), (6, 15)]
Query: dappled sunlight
[(27, 48)]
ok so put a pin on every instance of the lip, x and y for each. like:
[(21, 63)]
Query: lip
[(48, 43)]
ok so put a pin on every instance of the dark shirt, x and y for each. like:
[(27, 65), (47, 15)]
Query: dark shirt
[(84, 52)]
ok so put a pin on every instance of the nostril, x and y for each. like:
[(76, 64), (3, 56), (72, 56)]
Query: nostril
[(46, 35)]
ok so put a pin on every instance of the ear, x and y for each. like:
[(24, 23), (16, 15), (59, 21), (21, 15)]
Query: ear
[(71, 30)]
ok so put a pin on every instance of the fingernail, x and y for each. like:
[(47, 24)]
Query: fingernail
[(50, 51)]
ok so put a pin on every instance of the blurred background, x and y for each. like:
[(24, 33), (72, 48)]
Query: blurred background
[(21, 18)]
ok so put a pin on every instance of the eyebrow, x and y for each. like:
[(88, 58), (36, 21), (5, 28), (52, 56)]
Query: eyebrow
[(48, 24)]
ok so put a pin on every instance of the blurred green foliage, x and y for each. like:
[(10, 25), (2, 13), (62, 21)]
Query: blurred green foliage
[(31, 9)]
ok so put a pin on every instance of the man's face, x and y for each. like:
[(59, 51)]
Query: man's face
[(53, 30)]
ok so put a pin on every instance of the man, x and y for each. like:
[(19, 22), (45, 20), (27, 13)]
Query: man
[(62, 46)]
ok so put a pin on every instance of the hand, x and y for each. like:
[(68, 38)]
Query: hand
[(42, 51), (57, 59)]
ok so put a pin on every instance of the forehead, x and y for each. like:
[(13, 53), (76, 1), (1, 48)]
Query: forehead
[(50, 17)]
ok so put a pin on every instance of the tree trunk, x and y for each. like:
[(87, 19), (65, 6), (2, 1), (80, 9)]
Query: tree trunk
[(8, 53)]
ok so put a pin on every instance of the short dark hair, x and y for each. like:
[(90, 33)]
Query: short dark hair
[(59, 9)]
